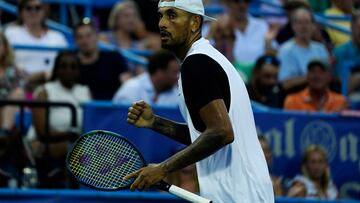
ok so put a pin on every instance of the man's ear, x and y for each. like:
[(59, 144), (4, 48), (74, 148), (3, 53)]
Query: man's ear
[(195, 23)]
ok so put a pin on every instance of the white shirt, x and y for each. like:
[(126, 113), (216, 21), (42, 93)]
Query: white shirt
[(295, 59), (250, 45), (141, 88), (60, 117), (312, 191), (30, 60), (238, 172)]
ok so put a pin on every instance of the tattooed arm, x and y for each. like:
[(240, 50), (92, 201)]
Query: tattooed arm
[(218, 134), (171, 129), (141, 115)]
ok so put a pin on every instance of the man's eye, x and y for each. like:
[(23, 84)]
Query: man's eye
[(171, 16)]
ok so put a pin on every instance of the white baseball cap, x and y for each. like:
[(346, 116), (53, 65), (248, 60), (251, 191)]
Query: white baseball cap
[(191, 6)]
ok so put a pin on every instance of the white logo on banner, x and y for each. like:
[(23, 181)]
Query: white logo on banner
[(319, 133)]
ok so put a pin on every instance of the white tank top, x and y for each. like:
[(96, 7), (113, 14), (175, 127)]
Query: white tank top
[(238, 172)]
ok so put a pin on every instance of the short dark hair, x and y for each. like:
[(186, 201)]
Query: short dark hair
[(57, 62), (317, 63), (84, 22), (266, 59), (160, 61)]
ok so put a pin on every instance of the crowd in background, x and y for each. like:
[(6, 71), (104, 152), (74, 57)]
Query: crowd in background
[(289, 62)]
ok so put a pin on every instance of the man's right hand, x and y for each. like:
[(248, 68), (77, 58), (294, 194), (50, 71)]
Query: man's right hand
[(141, 115)]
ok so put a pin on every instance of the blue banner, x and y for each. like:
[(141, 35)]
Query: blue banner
[(289, 134)]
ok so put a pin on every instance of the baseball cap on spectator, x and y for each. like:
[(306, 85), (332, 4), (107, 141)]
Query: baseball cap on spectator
[(266, 59), (191, 6)]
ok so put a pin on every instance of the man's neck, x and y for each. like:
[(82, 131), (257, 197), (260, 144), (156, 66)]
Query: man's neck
[(318, 95), (183, 50), (89, 57), (302, 42)]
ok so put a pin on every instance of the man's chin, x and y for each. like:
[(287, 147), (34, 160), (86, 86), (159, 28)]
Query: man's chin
[(166, 46)]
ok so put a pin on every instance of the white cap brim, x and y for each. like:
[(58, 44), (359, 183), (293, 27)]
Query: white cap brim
[(172, 4)]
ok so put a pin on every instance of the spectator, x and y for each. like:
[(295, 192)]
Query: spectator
[(286, 32), (223, 37), (102, 71), (125, 25), (315, 180), (11, 84), (51, 149), (317, 97), (340, 8), (11, 87), (296, 53), (264, 86), (30, 29), (250, 35), (350, 53), (157, 86), (276, 180)]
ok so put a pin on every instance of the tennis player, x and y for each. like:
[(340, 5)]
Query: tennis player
[(220, 130)]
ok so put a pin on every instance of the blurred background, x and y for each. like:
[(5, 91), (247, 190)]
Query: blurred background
[(71, 66)]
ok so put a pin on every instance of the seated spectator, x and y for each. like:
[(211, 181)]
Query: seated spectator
[(315, 180), (340, 8), (102, 71), (264, 86), (249, 35), (350, 51), (11, 84), (50, 148), (276, 180), (11, 87), (155, 87), (286, 32), (30, 29), (124, 23), (316, 97), (295, 54)]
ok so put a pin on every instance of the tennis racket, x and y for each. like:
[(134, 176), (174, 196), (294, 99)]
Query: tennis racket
[(100, 159)]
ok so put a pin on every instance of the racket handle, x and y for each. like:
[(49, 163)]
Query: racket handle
[(187, 195)]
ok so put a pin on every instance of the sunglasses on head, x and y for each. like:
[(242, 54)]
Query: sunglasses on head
[(33, 8)]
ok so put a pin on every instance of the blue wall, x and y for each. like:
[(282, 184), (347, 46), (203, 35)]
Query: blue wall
[(289, 134)]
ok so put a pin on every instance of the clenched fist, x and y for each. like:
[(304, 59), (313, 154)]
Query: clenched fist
[(140, 115)]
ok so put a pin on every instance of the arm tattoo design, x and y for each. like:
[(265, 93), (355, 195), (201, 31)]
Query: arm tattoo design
[(171, 129)]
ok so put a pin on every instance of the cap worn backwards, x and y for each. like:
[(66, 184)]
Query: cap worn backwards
[(191, 6)]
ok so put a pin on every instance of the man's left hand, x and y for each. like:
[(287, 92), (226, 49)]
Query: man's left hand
[(146, 177)]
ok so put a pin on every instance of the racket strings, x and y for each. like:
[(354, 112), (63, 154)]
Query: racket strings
[(103, 160)]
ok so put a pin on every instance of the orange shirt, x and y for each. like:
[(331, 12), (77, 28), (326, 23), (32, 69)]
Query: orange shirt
[(302, 101)]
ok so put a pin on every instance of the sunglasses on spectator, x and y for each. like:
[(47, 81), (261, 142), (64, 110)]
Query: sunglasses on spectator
[(33, 8)]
